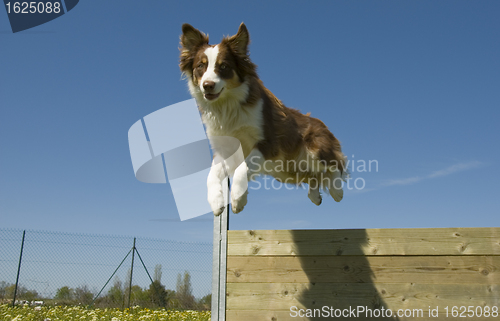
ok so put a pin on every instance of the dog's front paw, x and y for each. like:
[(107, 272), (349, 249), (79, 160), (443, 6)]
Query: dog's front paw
[(219, 211), (237, 205), (216, 201)]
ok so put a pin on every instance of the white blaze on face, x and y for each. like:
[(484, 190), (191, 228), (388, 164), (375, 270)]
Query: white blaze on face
[(210, 75)]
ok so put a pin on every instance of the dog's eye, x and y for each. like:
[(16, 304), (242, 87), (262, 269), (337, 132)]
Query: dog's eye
[(200, 66), (223, 66)]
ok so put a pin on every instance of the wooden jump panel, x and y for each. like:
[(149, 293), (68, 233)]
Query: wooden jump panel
[(269, 272)]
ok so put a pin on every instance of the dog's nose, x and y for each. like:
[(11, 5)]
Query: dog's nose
[(208, 85)]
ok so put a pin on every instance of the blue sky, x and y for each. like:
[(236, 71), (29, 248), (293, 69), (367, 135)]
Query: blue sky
[(412, 85)]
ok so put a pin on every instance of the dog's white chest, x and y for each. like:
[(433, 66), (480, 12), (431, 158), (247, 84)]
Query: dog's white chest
[(242, 123)]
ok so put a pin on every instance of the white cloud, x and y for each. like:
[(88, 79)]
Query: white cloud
[(439, 173), (360, 191), (455, 168), (404, 181)]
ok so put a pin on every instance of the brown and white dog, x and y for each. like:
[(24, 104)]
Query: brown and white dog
[(276, 140)]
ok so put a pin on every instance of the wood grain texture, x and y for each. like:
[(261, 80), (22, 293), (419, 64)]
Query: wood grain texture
[(369, 269), (433, 241), (282, 296), (261, 315)]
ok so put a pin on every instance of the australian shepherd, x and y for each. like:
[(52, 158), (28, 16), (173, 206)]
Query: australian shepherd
[(276, 140)]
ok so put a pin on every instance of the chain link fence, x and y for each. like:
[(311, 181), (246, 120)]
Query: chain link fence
[(80, 269)]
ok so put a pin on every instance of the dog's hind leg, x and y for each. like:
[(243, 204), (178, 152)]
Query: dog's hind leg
[(314, 194), (335, 185)]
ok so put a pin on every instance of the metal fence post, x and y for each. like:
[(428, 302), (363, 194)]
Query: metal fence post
[(221, 225), (18, 269), (131, 272)]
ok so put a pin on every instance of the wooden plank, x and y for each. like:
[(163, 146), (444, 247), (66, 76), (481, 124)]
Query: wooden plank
[(370, 269), (284, 296), (261, 315), (428, 241)]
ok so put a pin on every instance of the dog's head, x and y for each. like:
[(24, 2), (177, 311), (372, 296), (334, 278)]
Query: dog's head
[(215, 71)]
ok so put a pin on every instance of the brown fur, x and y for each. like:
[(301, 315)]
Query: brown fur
[(288, 134)]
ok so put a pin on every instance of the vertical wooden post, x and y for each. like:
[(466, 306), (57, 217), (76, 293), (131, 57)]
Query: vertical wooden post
[(221, 225)]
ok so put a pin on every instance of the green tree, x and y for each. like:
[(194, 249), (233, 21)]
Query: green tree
[(21, 294), (205, 303), (115, 293), (64, 293), (83, 295), (157, 275), (9, 290), (139, 296), (158, 295), (29, 295), (4, 290), (184, 291)]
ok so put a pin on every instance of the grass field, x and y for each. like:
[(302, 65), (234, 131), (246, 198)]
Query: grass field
[(68, 313)]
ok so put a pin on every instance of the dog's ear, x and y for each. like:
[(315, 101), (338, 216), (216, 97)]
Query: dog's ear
[(239, 42), (192, 38)]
